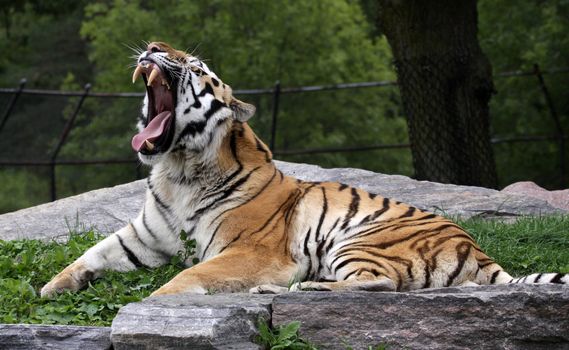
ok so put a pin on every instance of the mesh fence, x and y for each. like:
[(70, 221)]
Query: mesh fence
[(446, 104), (335, 129), (348, 125)]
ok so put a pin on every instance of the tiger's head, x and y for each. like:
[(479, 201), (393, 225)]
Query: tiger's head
[(186, 107)]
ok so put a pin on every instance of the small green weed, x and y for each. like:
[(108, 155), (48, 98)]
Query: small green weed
[(189, 248), (283, 337), (297, 278)]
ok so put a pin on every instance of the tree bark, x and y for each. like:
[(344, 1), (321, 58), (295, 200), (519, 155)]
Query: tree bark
[(446, 84)]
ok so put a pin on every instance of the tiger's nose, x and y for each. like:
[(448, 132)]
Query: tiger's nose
[(154, 47)]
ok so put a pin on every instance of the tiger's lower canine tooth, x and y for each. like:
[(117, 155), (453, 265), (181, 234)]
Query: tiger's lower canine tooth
[(149, 145), (136, 73), (152, 76)]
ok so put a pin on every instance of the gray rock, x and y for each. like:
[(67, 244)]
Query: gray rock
[(109, 209), (189, 321), (488, 317), (44, 337), (106, 210)]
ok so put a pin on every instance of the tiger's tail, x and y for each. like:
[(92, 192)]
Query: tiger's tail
[(557, 278), (492, 273), (499, 276)]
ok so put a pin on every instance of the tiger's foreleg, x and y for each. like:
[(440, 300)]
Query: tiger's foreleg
[(235, 270), (122, 251)]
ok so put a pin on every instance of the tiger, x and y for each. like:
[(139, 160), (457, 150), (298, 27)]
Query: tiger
[(256, 229)]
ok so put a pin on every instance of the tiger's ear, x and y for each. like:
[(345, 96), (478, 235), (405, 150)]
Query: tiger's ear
[(242, 111)]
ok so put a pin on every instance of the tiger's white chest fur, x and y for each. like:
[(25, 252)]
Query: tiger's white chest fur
[(177, 200)]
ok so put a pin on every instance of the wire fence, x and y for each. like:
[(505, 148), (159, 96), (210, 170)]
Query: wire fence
[(275, 94)]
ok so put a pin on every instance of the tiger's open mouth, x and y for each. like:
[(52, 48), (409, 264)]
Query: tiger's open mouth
[(158, 132)]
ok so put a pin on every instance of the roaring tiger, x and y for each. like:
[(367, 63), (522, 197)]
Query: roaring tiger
[(256, 229)]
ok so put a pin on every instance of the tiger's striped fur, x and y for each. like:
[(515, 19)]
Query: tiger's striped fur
[(257, 229)]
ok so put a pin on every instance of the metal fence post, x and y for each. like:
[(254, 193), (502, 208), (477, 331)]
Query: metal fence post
[(12, 103), (559, 129), (63, 137), (276, 97)]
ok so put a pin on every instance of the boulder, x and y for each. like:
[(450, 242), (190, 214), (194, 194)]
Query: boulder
[(109, 209), (558, 199), (190, 321), (48, 337), (487, 317)]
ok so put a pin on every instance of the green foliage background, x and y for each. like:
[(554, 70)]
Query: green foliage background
[(251, 44), (515, 35)]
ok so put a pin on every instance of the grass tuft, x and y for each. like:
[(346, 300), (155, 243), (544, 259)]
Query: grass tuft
[(282, 337), (529, 245)]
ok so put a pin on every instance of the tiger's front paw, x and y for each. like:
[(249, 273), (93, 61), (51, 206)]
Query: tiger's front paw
[(73, 278)]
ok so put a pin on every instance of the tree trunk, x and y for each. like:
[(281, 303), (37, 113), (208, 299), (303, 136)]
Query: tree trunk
[(446, 83)]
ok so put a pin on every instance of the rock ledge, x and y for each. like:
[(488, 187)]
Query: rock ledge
[(109, 209), (186, 321)]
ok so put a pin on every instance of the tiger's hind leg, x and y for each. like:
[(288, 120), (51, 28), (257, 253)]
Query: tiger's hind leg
[(268, 289), (365, 281), (468, 284), (489, 272)]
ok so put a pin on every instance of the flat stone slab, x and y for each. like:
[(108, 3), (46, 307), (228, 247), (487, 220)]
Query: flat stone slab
[(190, 321), (48, 337), (109, 209), (487, 317)]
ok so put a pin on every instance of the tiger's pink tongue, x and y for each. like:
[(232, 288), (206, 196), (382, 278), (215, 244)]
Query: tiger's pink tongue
[(153, 131)]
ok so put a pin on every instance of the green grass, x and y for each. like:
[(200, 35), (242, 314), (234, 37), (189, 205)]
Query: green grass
[(26, 265), (530, 245)]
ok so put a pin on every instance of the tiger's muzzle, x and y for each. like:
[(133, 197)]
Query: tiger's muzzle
[(157, 135)]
